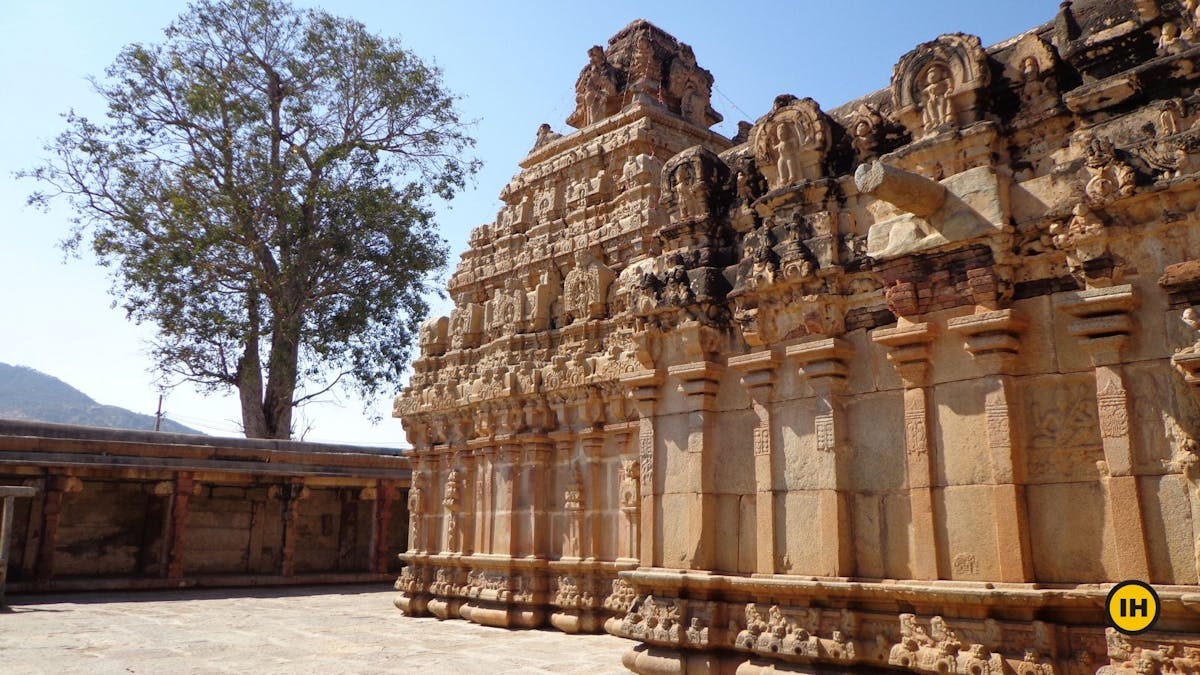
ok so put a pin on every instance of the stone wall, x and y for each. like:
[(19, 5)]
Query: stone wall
[(904, 383), (122, 509)]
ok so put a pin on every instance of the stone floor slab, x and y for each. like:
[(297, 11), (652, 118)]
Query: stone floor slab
[(322, 630)]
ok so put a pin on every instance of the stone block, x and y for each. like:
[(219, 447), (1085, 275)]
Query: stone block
[(875, 433), (896, 535), (869, 544), (960, 441), (799, 516), (966, 551), (1069, 544), (1170, 534), (750, 533), (1037, 352)]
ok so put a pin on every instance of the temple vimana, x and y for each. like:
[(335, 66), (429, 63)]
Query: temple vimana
[(909, 383)]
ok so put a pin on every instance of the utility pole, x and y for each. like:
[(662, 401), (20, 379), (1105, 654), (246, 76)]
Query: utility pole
[(158, 415)]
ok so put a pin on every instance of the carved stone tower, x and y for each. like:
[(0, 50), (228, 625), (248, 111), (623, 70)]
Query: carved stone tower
[(906, 384), (518, 394)]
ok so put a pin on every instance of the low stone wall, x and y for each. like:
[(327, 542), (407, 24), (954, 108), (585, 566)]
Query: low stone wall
[(126, 509)]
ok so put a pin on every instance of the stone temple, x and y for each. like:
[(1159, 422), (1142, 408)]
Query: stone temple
[(910, 383)]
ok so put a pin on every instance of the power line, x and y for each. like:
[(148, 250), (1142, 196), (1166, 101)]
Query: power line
[(745, 115)]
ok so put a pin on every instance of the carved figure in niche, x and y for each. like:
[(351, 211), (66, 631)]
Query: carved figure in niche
[(573, 494), (939, 84), (416, 507), (758, 249), (678, 289), (585, 291), (547, 287), (597, 85), (687, 206), (691, 185), (1033, 71), (748, 185), (696, 197), (791, 142), (786, 148), (630, 474), (1032, 87), (937, 110), (865, 124), (450, 501), (507, 309)]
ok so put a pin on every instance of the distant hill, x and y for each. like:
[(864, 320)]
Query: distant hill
[(28, 394)]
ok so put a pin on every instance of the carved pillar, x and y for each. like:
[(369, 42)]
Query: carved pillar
[(384, 497), (644, 386), (537, 518), (759, 372), (1103, 323), (177, 515), (469, 513), (56, 488), (29, 557), (823, 364), (593, 488), (567, 545), (452, 490), (9, 495), (629, 492), (481, 495), (418, 503), (908, 345), (573, 543), (701, 380), (993, 339), (464, 458), (507, 484), (289, 496)]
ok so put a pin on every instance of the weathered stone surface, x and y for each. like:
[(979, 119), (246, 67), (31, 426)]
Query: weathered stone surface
[(906, 384)]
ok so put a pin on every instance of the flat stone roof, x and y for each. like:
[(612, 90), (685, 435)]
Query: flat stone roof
[(326, 630)]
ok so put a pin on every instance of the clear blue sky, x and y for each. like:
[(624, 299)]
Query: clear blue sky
[(515, 66)]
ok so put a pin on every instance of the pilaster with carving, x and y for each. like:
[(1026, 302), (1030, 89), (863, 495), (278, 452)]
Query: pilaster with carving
[(993, 340), (823, 365), (759, 373), (644, 389), (908, 351), (1102, 321)]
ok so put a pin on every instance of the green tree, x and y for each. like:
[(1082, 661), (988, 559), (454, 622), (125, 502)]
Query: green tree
[(260, 188)]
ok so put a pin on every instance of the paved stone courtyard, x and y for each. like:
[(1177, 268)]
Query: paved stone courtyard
[(324, 630)]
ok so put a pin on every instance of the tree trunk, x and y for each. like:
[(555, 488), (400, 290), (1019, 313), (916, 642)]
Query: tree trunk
[(249, 376), (281, 379), (250, 392)]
